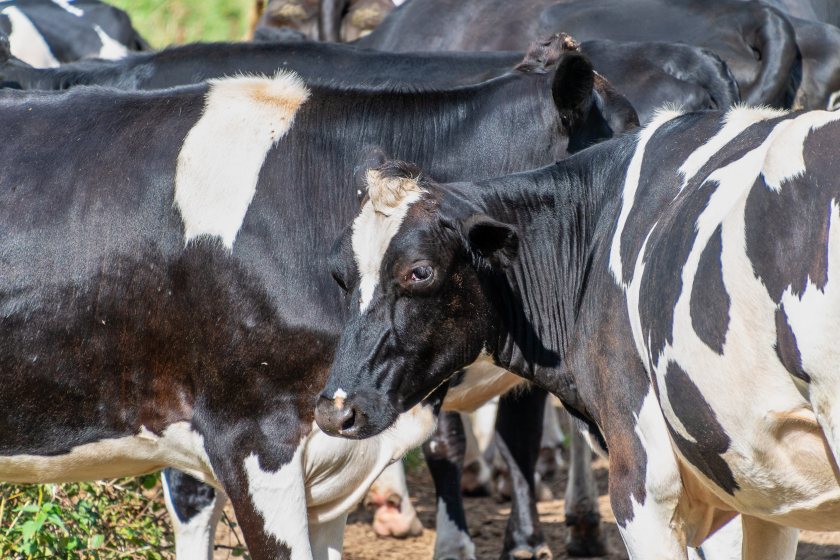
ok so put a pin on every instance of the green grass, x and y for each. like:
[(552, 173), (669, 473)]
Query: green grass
[(169, 22)]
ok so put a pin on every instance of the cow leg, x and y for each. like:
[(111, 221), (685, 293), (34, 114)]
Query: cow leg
[(725, 544), (551, 457), (768, 541), (519, 430), (195, 509), (267, 492), (476, 476), (645, 483), (444, 454), (582, 515), (327, 539), (394, 516)]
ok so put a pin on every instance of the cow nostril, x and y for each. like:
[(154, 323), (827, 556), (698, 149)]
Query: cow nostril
[(349, 419)]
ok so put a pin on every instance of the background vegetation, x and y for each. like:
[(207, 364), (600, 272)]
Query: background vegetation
[(167, 22)]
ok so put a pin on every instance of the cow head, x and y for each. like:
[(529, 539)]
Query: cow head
[(417, 269)]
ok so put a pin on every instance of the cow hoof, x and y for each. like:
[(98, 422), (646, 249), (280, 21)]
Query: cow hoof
[(585, 538), (544, 493), (524, 552), (390, 521)]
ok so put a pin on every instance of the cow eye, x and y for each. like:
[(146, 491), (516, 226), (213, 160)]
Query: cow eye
[(421, 274)]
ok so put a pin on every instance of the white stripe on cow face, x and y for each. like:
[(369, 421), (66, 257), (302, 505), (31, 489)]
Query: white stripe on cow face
[(65, 5), (631, 184), (111, 48), (280, 499), (377, 224), (220, 160), (26, 42)]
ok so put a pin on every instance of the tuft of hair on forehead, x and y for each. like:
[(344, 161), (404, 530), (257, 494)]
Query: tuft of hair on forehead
[(390, 183), (545, 52)]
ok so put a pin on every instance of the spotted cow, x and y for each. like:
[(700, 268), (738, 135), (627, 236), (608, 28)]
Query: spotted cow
[(47, 33), (675, 288), (175, 305)]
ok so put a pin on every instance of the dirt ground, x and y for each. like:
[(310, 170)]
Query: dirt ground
[(487, 518)]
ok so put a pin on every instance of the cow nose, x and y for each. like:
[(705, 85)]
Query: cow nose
[(338, 417)]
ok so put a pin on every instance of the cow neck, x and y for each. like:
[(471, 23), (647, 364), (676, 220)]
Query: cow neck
[(560, 213)]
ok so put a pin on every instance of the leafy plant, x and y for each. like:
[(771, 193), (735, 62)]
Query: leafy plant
[(125, 518)]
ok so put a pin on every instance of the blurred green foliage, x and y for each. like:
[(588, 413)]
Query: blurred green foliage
[(123, 519), (167, 22)]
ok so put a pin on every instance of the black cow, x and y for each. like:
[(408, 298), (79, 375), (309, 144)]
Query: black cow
[(677, 289), (45, 33), (755, 40), (648, 74), (165, 293)]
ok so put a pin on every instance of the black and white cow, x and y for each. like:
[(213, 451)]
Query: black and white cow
[(169, 312), (676, 288), (46, 33), (755, 40), (648, 74)]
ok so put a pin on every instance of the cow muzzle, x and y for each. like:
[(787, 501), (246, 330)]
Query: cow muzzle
[(357, 416)]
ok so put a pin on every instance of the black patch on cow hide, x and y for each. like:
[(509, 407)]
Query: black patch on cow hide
[(656, 182), (702, 425), (709, 300), (665, 256), (786, 347), (787, 235), (188, 496)]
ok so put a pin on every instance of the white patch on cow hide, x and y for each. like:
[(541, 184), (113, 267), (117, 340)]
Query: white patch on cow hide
[(482, 381), (631, 185), (65, 5), (450, 541), (339, 471), (195, 537), (814, 318), (111, 48), (26, 42), (378, 223), (178, 446), (786, 158), (736, 120), (280, 499), (221, 158)]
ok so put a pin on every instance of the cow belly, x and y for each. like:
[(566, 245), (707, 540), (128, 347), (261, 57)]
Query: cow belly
[(482, 381), (178, 446)]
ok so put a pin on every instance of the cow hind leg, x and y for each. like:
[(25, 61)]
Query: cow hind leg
[(581, 508), (519, 429), (195, 509), (767, 541), (444, 454)]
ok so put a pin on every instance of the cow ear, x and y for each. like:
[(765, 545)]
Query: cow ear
[(572, 87), (492, 241), (371, 156)]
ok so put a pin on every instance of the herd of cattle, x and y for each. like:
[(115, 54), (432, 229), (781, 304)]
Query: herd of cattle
[(273, 267)]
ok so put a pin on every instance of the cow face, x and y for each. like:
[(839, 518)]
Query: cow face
[(418, 280)]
